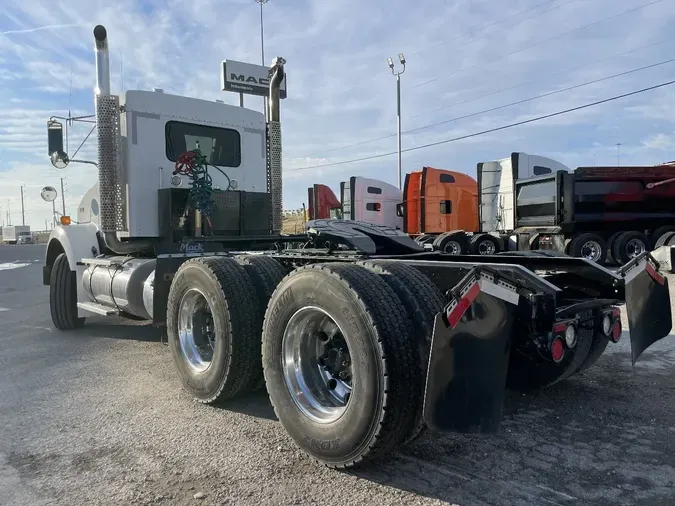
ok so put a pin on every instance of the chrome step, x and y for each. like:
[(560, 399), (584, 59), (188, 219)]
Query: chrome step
[(95, 308)]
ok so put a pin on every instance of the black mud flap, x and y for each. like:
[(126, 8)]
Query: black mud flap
[(647, 303), (469, 355)]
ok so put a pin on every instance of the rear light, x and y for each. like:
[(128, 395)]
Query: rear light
[(566, 332), (616, 331), (571, 336), (611, 324), (557, 350), (607, 325)]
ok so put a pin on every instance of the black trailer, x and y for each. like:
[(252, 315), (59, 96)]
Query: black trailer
[(597, 213)]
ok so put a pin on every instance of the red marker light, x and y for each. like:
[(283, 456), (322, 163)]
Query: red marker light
[(557, 350)]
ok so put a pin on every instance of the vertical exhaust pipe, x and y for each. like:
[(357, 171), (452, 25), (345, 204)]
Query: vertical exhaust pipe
[(109, 181), (274, 170), (102, 61)]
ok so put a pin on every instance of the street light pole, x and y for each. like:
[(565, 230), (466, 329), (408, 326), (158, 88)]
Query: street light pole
[(401, 59)]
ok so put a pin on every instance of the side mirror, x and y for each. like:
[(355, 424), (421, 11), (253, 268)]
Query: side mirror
[(400, 210), (57, 155)]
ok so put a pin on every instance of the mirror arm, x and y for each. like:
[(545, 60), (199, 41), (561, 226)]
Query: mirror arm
[(83, 161)]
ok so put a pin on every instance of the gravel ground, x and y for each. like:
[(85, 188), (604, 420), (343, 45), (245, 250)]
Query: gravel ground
[(97, 417)]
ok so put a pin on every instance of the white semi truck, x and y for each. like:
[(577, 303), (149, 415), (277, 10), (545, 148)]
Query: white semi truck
[(12, 233), (360, 337)]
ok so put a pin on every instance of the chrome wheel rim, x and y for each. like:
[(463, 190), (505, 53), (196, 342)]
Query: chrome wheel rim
[(196, 332), (452, 248), (317, 365), (635, 247), (591, 250), (486, 248)]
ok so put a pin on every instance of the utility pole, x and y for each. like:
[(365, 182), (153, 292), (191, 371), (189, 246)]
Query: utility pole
[(63, 198), (46, 228), (618, 155), (401, 58), (262, 47), (23, 214)]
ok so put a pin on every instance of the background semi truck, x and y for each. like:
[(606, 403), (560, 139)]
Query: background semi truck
[(12, 233), (361, 346), (529, 202)]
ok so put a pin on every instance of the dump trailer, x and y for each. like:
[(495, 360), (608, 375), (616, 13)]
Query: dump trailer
[(361, 338), (598, 213)]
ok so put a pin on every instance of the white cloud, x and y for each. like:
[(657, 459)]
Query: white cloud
[(473, 55)]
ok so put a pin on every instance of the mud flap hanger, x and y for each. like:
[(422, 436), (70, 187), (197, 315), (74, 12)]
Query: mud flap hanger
[(647, 298), (469, 354)]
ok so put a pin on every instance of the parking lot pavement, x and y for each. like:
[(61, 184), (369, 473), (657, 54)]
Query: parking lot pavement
[(97, 416)]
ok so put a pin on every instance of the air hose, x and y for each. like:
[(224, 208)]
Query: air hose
[(193, 164)]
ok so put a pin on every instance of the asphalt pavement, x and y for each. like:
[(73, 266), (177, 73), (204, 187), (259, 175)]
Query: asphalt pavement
[(97, 416)]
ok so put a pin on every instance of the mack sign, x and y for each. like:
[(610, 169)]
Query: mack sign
[(247, 78)]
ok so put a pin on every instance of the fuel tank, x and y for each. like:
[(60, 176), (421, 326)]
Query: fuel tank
[(125, 284)]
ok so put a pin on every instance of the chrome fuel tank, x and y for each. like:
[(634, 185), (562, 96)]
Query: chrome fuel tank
[(125, 284)]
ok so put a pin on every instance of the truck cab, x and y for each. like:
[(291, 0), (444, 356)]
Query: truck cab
[(370, 200), (496, 184), (155, 128)]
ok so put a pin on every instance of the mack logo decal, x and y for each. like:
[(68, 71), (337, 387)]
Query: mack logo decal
[(249, 79), (241, 77), (192, 247)]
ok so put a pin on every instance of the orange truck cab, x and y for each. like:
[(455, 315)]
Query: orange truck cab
[(437, 201)]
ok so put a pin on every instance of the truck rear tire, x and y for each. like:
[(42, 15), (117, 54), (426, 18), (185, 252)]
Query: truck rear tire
[(454, 243), (265, 273), (316, 340), (422, 301), (484, 244), (664, 239), (590, 246), (658, 233), (212, 328), (598, 346), (628, 245), (63, 295)]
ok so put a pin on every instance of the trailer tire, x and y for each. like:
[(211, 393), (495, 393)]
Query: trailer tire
[(63, 295), (384, 401), (422, 301), (527, 374), (265, 273), (664, 239), (592, 240), (484, 244), (223, 285), (631, 239)]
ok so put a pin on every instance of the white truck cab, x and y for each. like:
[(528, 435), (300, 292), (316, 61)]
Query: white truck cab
[(496, 183)]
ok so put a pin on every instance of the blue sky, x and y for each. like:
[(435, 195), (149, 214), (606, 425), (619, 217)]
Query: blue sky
[(463, 57)]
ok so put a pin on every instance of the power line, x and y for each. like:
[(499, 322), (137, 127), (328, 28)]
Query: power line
[(523, 83), (447, 41), (504, 106), (541, 41), (491, 130)]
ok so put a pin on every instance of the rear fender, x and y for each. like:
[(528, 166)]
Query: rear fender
[(647, 303), (469, 355)]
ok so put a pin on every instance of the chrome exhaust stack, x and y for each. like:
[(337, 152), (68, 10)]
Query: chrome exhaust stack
[(112, 213), (274, 151)]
